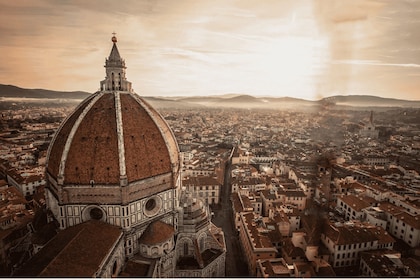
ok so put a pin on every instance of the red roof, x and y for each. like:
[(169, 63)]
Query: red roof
[(77, 251), (157, 233)]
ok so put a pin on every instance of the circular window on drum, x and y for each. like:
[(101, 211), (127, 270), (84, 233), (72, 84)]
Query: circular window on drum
[(152, 206), (96, 213)]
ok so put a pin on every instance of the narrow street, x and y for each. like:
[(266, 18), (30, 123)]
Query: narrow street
[(223, 217)]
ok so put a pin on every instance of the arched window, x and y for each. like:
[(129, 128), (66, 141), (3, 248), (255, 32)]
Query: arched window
[(114, 269), (112, 79), (186, 249), (155, 251)]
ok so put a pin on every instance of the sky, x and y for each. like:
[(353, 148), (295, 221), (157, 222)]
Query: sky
[(305, 49)]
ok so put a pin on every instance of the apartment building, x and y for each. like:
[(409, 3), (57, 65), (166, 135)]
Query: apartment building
[(402, 224), (27, 185), (240, 204), (255, 242), (248, 184), (346, 242), (352, 206), (206, 187), (381, 263)]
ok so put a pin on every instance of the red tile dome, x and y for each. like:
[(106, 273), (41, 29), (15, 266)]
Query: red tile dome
[(92, 146), (113, 138)]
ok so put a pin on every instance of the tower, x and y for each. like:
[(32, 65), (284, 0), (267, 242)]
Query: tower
[(115, 71), (369, 130), (114, 159)]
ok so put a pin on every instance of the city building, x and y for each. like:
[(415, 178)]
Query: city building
[(382, 263), (352, 206), (206, 187), (255, 242), (369, 130), (401, 223), (346, 242)]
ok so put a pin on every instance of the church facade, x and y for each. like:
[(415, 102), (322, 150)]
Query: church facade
[(114, 174)]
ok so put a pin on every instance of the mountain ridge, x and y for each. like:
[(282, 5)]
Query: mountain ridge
[(228, 100)]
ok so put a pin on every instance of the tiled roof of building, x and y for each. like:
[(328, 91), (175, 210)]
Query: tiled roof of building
[(267, 194), (325, 271), (412, 263), (356, 203), (248, 181), (281, 217), (378, 187), (273, 268), (3, 183), (77, 251), (259, 240), (343, 235), (156, 233), (274, 235), (246, 202), (409, 219), (237, 205), (293, 193), (304, 267), (381, 265), (291, 251), (382, 235), (137, 269), (391, 208)]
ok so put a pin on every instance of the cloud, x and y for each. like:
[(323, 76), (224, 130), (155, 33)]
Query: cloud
[(375, 63)]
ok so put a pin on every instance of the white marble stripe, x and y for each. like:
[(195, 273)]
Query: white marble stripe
[(120, 135)]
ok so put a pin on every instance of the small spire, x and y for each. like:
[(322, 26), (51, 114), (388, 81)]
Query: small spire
[(115, 70)]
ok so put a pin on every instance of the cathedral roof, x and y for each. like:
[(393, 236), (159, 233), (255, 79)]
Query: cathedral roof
[(113, 137), (157, 233), (78, 251)]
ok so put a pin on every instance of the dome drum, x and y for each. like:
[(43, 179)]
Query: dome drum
[(85, 194)]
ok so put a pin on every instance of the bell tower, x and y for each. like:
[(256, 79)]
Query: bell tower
[(115, 79)]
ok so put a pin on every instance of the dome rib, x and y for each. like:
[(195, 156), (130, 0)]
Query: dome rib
[(120, 135)]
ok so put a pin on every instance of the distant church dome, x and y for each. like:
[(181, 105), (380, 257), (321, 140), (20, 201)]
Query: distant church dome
[(113, 138)]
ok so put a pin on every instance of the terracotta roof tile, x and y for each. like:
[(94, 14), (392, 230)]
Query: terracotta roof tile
[(157, 233), (150, 148), (75, 252)]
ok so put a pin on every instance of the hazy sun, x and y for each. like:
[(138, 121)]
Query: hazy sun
[(293, 64)]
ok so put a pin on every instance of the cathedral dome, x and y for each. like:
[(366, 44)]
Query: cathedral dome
[(114, 138)]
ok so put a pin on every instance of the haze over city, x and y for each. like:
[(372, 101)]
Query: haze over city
[(304, 49)]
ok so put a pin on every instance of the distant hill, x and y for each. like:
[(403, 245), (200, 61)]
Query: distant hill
[(17, 92), (368, 100), (242, 99), (159, 102), (229, 100)]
